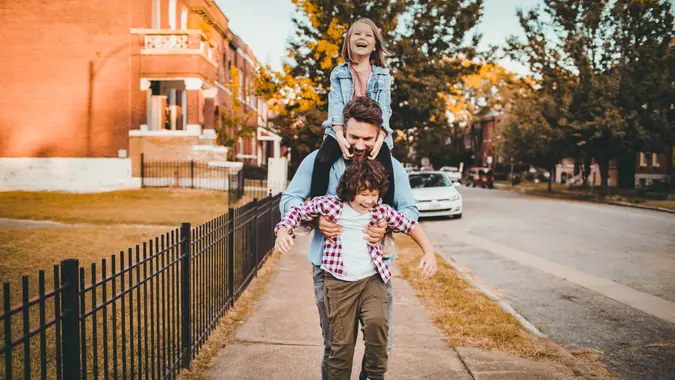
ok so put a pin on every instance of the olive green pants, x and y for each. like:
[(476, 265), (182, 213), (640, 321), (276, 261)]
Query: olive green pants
[(347, 302)]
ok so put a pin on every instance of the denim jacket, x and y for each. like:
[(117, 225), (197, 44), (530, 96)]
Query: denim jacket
[(342, 91)]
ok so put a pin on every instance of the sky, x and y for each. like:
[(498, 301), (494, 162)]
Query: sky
[(266, 31)]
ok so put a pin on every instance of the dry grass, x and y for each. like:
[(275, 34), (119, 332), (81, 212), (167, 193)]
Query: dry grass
[(465, 315), (168, 207), (468, 318), (670, 205), (224, 332), (24, 251)]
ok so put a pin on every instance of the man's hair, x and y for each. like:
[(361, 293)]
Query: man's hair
[(363, 109), (361, 175)]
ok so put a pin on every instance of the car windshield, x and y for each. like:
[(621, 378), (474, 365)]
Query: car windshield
[(418, 181)]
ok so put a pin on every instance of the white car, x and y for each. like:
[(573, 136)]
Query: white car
[(435, 194), (453, 173)]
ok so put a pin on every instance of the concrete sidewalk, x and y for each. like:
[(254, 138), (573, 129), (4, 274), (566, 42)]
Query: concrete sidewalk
[(282, 339)]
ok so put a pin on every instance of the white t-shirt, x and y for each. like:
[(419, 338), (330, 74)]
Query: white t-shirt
[(357, 261)]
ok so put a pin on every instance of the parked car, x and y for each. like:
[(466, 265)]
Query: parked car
[(435, 194), (481, 177), (453, 173)]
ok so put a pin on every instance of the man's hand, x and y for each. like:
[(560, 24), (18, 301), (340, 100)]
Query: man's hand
[(428, 265), (342, 142), (284, 241), (378, 144), (375, 233), (329, 229)]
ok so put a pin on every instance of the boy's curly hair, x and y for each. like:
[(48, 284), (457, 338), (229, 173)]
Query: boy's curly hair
[(362, 174)]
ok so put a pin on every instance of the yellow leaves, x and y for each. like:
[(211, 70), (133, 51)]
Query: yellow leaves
[(308, 8), (336, 31)]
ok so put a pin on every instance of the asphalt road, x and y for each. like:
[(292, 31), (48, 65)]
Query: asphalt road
[(586, 275)]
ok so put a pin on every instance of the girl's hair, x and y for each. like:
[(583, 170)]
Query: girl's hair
[(362, 174), (377, 56)]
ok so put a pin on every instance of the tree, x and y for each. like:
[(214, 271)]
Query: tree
[(532, 133), (585, 49), (642, 37)]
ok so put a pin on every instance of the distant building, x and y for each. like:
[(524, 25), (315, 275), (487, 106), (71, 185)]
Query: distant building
[(90, 85)]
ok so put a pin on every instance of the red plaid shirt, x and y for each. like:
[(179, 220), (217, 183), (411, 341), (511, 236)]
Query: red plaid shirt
[(331, 207)]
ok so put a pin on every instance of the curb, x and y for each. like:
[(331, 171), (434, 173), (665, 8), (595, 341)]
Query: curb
[(568, 359), (614, 203), (527, 325), (651, 208)]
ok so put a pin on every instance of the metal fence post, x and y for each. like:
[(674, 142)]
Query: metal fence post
[(142, 170), (230, 254), (256, 244), (70, 338), (185, 321), (192, 174)]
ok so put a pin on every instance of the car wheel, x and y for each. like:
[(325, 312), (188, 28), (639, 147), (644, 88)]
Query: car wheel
[(458, 216)]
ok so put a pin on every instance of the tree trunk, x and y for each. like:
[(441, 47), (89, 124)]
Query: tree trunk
[(586, 170), (551, 173), (604, 174), (626, 168)]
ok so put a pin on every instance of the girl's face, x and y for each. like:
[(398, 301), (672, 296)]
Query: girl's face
[(362, 40), (365, 200)]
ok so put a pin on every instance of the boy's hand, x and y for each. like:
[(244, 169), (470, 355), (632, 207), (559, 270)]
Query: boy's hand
[(342, 142), (428, 265), (378, 144), (284, 241)]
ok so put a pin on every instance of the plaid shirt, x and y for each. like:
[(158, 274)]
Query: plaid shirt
[(331, 207)]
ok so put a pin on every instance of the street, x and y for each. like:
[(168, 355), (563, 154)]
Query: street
[(586, 275)]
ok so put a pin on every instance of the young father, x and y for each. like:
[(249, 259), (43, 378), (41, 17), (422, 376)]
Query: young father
[(363, 121)]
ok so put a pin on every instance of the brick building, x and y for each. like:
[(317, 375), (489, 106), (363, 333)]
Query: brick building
[(90, 85), (481, 139)]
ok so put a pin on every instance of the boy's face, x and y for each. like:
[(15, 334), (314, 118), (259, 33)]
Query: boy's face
[(365, 200)]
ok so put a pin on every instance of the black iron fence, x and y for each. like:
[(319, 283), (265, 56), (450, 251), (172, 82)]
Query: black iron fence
[(143, 314), (242, 185)]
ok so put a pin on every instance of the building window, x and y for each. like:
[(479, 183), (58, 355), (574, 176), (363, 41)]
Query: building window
[(172, 14), (644, 158), (155, 14), (655, 160), (241, 86), (184, 19)]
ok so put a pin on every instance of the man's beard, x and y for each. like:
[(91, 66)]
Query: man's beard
[(359, 155)]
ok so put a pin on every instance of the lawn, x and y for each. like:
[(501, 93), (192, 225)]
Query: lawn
[(589, 195), (91, 227), (165, 207)]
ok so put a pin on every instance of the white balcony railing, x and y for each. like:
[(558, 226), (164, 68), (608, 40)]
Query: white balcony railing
[(164, 41)]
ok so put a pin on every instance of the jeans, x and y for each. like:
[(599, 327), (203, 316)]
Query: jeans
[(319, 281)]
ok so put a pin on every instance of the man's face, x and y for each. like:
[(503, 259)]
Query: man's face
[(361, 136)]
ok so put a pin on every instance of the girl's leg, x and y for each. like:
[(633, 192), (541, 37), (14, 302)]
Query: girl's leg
[(374, 312), (328, 154), (384, 157)]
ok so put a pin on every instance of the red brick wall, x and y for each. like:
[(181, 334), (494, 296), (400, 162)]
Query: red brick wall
[(48, 109)]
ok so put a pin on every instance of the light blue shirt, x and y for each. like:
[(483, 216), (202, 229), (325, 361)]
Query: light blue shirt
[(299, 188)]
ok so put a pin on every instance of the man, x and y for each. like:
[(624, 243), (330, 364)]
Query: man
[(363, 120)]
